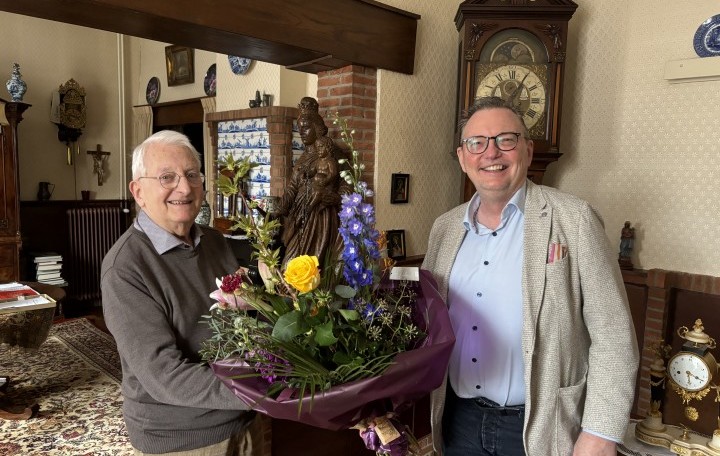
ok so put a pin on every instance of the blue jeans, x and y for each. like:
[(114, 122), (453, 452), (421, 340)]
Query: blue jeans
[(473, 429)]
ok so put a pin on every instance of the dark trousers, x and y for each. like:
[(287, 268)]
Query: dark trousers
[(473, 427)]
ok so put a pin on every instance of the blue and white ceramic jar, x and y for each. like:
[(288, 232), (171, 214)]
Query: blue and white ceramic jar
[(15, 85), (203, 217)]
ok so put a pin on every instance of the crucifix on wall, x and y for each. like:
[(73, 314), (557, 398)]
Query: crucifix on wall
[(99, 159)]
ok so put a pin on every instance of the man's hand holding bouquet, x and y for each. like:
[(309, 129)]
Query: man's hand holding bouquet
[(336, 345)]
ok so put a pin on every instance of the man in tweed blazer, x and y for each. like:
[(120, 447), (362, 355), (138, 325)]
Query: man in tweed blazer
[(569, 328)]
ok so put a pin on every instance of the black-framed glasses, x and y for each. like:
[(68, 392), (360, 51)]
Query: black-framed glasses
[(171, 180), (504, 142)]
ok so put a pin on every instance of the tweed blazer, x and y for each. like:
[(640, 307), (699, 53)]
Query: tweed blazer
[(578, 339)]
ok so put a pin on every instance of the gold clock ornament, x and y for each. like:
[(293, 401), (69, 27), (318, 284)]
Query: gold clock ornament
[(516, 50), (691, 373), (693, 367)]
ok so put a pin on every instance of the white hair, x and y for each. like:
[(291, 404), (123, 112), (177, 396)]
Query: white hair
[(163, 137)]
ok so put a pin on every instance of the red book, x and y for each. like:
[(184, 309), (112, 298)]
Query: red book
[(17, 292)]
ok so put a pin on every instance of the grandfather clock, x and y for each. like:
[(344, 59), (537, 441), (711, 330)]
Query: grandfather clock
[(516, 50)]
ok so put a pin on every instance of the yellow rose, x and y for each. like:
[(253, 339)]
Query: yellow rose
[(302, 273)]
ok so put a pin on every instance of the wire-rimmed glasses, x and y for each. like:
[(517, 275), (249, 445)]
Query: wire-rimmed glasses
[(170, 180)]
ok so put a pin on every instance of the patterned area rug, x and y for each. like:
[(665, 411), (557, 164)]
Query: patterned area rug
[(75, 378)]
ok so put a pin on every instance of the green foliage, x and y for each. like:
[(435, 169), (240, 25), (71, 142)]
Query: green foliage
[(314, 340), (232, 173), (317, 341)]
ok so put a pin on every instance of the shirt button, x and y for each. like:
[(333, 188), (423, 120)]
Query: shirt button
[(477, 387), (486, 263), (474, 360), (478, 294), (494, 233), (474, 328)]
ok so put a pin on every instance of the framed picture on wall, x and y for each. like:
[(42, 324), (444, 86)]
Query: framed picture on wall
[(399, 188), (396, 244), (180, 65)]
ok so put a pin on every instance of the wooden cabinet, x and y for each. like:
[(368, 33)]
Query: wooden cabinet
[(9, 191)]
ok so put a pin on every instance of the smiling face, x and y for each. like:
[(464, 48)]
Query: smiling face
[(172, 209), (496, 175)]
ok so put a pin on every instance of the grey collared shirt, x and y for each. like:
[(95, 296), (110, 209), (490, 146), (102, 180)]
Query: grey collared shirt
[(161, 239)]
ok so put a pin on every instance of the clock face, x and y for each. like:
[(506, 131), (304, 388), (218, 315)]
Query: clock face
[(520, 86), (513, 65), (689, 371)]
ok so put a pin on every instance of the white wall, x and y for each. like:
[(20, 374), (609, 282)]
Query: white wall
[(49, 54), (415, 117), (635, 146)]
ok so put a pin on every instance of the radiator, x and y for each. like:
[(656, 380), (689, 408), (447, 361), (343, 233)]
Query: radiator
[(92, 231)]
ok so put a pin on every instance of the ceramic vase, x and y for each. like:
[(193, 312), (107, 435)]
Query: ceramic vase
[(203, 217), (15, 85)]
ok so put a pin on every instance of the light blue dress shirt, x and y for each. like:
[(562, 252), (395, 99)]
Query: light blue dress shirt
[(486, 307)]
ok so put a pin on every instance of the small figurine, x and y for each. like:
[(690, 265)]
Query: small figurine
[(627, 241)]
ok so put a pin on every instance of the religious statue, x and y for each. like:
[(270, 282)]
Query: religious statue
[(627, 241), (99, 158), (311, 202)]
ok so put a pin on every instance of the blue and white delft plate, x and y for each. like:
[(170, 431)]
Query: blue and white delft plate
[(707, 37), (239, 65)]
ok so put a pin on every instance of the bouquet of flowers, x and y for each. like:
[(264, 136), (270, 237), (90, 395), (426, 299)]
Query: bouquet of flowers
[(335, 347)]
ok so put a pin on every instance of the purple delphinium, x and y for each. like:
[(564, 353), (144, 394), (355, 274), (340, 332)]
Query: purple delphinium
[(360, 238)]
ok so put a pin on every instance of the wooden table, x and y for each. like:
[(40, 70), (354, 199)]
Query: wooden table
[(27, 328)]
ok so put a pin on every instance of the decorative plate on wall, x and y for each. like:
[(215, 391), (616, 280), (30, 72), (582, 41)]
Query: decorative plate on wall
[(707, 37), (239, 65), (210, 84), (153, 90)]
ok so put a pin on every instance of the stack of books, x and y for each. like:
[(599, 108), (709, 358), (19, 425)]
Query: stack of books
[(48, 268)]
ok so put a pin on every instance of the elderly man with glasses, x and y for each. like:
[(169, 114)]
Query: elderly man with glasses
[(545, 357), (155, 284)]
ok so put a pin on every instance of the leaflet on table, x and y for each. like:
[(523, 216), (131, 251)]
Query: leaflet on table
[(29, 303)]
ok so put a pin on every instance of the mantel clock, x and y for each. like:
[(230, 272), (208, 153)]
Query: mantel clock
[(516, 50), (692, 373)]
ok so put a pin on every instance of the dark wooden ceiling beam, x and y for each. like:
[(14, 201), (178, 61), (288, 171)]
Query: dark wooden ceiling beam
[(284, 32)]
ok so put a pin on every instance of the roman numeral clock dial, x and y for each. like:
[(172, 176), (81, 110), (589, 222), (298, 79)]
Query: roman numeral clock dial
[(521, 87), (516, 50)]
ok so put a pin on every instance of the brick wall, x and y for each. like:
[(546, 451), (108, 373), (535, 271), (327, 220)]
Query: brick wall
[(352, 93)]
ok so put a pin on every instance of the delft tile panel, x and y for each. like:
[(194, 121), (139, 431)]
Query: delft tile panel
[(297, 143), (258, 189), (243, 126), (245, 140), (260, 174)]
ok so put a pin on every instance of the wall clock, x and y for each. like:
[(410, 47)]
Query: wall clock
[(516, 50)]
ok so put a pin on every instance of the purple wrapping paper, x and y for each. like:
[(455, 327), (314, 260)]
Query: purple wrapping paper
[(413, 374)]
